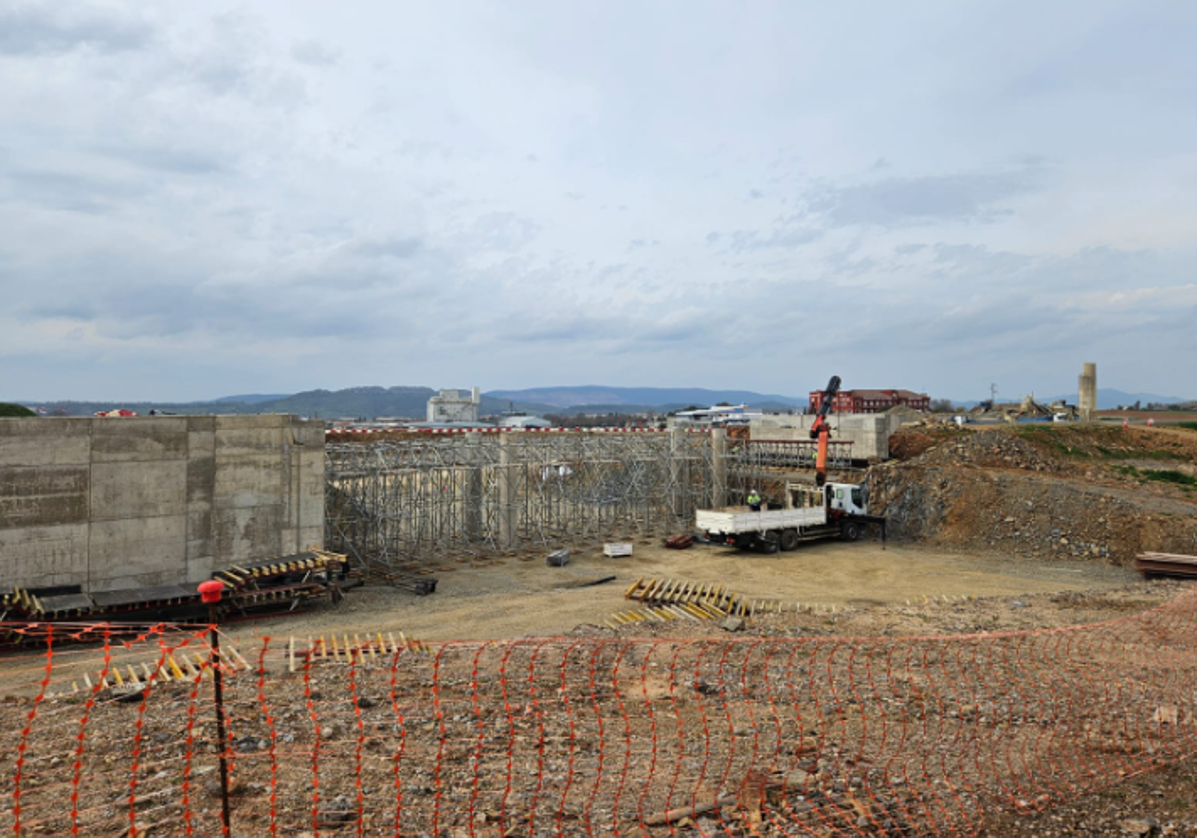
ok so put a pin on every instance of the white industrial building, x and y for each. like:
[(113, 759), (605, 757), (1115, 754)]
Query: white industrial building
[(455, 406), (523, 421)]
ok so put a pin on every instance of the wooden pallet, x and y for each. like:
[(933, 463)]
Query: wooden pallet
[(1166, 564)]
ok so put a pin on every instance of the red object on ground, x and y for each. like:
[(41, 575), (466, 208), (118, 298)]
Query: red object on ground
[(210, 591)]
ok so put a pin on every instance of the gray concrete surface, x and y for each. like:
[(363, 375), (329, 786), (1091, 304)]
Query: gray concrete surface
[(115, 503), (869, 433)]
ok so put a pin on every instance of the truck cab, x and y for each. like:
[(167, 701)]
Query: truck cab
[(847, 498), (836, 498)]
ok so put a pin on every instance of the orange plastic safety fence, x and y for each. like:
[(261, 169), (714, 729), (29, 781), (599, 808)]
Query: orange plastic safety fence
[(588, 736)]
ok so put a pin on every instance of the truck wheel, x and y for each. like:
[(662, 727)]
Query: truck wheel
[(850, 531), (789, 540), (770, 541)]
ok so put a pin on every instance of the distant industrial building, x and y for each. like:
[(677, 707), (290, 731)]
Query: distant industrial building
[(523, 421), (718, 416), (871, 401), (455, 406)]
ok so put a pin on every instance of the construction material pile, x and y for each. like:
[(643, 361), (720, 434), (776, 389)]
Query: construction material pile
[(267, 583), (665, 600)]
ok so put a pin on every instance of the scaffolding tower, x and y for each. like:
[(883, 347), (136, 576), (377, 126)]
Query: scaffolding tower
[(765, 465), (423, 497)]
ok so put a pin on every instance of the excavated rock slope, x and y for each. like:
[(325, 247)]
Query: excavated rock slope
[(1083, 492)]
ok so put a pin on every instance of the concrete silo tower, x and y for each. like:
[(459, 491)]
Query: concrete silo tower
[(1086, 402)]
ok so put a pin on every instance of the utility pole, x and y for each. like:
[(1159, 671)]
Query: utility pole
[(993, 393)]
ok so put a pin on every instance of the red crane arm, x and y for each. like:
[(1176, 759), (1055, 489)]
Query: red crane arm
[(821, 430)]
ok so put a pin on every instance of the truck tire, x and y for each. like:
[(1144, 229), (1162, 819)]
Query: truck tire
[(770, 541), (789, 540), (850, 531)]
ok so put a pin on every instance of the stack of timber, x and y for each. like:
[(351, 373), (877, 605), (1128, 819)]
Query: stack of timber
[(666, 599), (1166, 564), (283, 581)]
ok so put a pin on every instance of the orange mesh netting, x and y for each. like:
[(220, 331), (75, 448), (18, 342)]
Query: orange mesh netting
[(586, 736)]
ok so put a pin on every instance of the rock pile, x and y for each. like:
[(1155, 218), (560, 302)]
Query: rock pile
[(997, 491)]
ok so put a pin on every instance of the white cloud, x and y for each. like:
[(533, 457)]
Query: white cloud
[(226, 198)]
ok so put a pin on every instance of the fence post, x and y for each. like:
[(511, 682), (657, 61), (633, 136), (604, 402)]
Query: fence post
[(210, 593)]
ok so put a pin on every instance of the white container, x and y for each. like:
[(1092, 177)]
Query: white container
[(616, 549)]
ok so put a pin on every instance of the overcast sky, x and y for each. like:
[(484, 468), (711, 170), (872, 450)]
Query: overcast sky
[(201, 199)]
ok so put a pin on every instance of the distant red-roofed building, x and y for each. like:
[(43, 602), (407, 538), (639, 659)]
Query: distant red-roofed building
[(871, 401)]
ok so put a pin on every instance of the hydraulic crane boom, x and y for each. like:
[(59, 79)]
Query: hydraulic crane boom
[(821, 430)]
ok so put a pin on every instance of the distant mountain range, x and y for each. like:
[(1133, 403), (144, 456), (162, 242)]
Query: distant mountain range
[(411, 402), (592, 396), (253, 398)]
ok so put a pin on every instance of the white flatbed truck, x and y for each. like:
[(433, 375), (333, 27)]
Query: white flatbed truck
[(810, 513)]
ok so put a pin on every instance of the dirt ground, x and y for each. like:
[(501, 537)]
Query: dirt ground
[(524, 597), (1009, 530)]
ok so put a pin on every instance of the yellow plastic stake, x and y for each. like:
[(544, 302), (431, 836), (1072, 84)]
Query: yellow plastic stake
[(116, 671), (394, 645), (133, 675), (174, 667)]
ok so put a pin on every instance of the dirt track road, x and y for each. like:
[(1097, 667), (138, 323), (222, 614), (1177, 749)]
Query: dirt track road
[(517, 598)]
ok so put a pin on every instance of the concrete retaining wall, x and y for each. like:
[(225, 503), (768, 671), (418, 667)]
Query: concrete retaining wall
[(869, 433), (115, 503)]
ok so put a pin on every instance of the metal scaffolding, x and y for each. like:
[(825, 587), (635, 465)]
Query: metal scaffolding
[(766, 464), (423, 497)]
